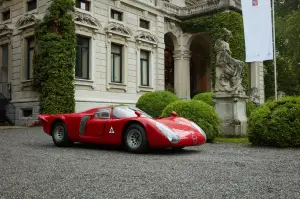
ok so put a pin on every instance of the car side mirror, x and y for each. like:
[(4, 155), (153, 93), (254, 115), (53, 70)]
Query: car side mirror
[(138, 113), (174, 114)]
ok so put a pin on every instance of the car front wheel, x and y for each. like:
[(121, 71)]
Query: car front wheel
[(60, 135), (136, 139)]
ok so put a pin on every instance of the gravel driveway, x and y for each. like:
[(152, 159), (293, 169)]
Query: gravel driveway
[(32, 167)]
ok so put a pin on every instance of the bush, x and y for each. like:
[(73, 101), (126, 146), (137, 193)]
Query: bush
[(153, 103), (205, 97), (250, 107), (54, 58), (276, 123), (199, 112)]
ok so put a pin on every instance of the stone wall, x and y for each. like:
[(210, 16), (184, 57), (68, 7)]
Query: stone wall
[(20, 25), (99, 88)]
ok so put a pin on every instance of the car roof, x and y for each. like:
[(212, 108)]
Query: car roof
[(104, 107)]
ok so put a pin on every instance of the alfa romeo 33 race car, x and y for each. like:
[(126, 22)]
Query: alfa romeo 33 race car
[(122, 125)]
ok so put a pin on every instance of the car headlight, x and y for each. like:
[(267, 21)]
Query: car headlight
[(198, 128), (166, 131)]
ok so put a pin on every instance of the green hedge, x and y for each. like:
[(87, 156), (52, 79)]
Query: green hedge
[(54, 59), (199, 112), (250, 107), (207, 97), (153, 103), (276, 123), (213, 25)]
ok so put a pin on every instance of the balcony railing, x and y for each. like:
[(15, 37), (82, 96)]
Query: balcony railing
[(5, 89), (149, 2), (201, 7)]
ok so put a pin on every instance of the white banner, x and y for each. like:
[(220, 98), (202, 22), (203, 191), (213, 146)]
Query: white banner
[(257, 30)]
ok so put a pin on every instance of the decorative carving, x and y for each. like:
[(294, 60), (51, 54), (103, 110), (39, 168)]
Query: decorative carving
[(191, 2), (5, 29), (119, 29), (118, 38), (146, 37), (280, 94), (145, 45), (229, 71), (86, 19), (254, 95), (197, 2), (27, 20), (199, 6), (213, 2)]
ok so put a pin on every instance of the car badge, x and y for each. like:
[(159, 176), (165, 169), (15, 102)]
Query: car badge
[(111, 130)]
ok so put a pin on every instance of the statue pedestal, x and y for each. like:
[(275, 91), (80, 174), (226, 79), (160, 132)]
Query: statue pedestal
[(231, 109)]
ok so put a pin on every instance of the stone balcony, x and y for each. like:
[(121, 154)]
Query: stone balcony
[(149, 2), (198, 7), (2, 1)]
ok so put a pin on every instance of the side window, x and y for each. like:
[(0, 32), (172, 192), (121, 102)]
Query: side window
[(102, 114)]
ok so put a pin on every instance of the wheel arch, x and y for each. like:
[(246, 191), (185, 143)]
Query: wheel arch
[(127, 124), (56, 120)]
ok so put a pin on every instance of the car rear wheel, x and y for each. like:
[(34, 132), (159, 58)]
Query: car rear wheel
[(60, 135), (136, 139)]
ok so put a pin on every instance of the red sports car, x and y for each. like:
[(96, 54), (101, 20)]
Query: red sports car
[(122, 125)]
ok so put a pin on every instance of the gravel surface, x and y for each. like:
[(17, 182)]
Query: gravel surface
[(32, 167)]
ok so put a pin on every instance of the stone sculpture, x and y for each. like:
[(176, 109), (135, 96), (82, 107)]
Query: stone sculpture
[(254, 95), (229, 71), (280, 95)]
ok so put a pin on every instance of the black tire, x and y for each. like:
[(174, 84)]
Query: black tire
[(61, 138), (132, 144)]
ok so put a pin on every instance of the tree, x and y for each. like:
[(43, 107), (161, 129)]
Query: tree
[(287, 47), (54, 58), (283, 7)]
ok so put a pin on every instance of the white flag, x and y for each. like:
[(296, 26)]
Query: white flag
[(257, 30)]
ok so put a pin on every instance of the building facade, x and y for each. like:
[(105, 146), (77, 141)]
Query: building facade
[(125, 48)]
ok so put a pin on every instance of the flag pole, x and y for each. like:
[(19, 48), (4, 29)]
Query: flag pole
[(274, 48)]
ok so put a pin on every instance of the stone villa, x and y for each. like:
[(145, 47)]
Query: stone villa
[(126, 48)]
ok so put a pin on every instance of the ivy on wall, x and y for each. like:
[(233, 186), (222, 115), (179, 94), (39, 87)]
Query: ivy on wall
[(54, 59), (213, 25)]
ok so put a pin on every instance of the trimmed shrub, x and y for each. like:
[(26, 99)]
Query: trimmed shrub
[(276, 123), (199, 112), (205, 97), (250, 107), (54, 58), (153, 103)]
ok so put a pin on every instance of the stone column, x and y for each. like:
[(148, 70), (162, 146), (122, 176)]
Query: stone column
[(182, 74), (257, 79)]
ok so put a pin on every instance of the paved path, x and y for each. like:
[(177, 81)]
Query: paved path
[(32, 167)]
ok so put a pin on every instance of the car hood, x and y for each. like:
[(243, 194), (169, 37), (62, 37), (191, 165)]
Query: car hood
[(180, 126)]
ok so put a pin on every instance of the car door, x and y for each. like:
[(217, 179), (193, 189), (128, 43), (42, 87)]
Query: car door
[(97, 124)]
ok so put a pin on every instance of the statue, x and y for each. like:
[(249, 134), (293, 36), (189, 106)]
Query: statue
[(229, 71), (254, 95), (280, 95)]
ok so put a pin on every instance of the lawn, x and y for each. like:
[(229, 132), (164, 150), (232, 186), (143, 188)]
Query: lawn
[(232, 140)]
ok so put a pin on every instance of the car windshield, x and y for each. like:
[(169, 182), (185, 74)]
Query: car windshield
[(127, 111)]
